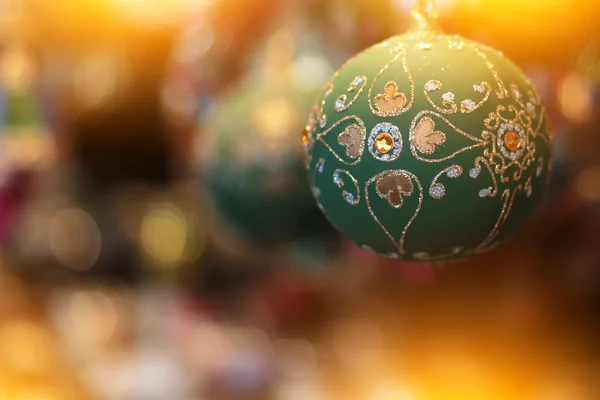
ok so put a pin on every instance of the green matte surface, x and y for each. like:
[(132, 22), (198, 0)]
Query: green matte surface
[(461, 223)]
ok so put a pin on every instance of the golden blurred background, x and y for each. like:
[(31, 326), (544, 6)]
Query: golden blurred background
[(121, 280)]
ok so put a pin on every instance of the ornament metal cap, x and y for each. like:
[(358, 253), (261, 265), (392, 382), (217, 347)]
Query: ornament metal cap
[(425, 17)]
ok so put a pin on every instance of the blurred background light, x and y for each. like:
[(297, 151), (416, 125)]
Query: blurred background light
[(575, 96), (169, 236), (387, 391), (588, 184), (17, 67), (96, 79), (26, 347), (93, 319), (310, 72), (74, 238), (295, 358), (163, 234), (193, 43), (258, 322)]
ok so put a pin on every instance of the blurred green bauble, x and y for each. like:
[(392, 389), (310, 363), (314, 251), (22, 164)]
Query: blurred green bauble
[(255, 166), (25, 143), (428, 147)]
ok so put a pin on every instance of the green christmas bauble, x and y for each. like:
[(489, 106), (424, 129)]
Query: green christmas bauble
[(254, 166), (428, 147)]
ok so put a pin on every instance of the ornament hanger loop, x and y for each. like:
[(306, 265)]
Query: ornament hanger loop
[(425, 16)]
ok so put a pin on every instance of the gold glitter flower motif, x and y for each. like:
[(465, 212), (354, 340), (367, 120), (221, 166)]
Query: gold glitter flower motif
[(353, 138), (391, 100), (393, 185), (426, 138)]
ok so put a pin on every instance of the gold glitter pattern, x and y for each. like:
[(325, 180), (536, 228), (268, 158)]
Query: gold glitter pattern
[(356, 86), (492, 191), (466, 107), (392, 102), (423, 256), (438, 190), (424, 138), (360, 126), (353, 138), (498, 123), (396, 184), (450, 104), (393, 186), (501, 92), (352, 199), (507, 206)]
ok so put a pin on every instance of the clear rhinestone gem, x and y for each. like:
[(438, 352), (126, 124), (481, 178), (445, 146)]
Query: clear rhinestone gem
[(367, 248), (321, 167), (530, 107), (453, 172), (437, 191), (323, 121), (538, 171), (479, 88), (340, 102), (448, 96), (358, 81), (474, 172), (432, 86), (338, 180), (484, 193), (516, 93), (529, 191), (469, 104), (456, 250), (349, 197)]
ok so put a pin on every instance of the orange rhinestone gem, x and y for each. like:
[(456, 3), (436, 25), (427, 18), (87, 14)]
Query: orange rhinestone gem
[(384, 143), (305, 133), (512, 140)]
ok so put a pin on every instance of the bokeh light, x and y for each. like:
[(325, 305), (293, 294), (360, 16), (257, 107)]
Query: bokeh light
[(17, 68), (93, 318), (96, 79), (170, 236), (26, 347), (575, 96), (295, 358), (388, 391), (74, 238), (588, 184), (119, 285)]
